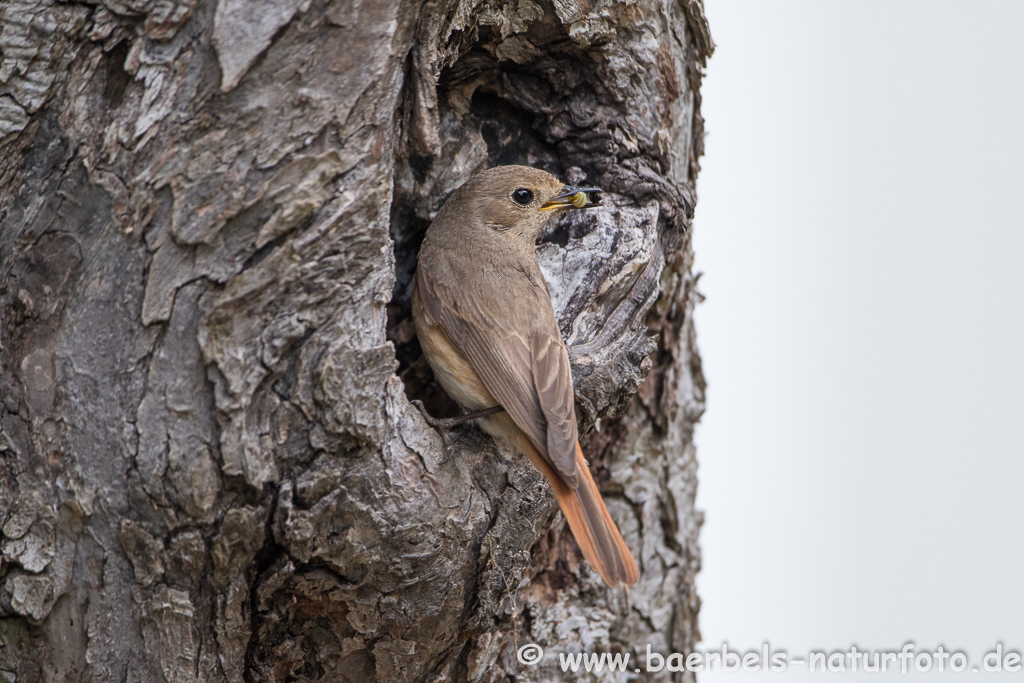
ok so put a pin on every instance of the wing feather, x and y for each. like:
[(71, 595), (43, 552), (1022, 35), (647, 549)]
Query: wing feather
[(552, 379), (520, 359)]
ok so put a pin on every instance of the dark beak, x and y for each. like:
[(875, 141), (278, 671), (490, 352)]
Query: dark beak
[(574, 197)]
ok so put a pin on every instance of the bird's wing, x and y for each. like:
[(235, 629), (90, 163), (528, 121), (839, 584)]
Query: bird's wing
[(520, 359), (553, 381)]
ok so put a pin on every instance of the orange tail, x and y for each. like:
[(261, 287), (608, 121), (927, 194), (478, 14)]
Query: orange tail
[(591, 525)]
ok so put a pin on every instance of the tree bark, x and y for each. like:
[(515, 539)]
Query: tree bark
[(210, 469)]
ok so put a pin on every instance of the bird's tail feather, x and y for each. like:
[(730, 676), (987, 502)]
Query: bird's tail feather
[(591, 525)]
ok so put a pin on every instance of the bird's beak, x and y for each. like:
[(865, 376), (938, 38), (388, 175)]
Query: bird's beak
[(574, 197)]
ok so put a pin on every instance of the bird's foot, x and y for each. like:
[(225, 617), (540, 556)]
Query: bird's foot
[(444, 424), (441, 425)]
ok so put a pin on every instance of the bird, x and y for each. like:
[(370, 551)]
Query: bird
[(483, 315)]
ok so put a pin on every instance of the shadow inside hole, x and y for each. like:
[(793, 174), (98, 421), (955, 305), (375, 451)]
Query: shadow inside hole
[(510, 133), (407, 231)]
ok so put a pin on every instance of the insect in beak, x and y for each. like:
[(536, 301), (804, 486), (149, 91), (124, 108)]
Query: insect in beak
[(578, 197)]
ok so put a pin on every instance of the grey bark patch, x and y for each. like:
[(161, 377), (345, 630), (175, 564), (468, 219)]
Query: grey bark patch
[(167, 618), (242, 31), (13, 117), (29, 595), (145, 552), (35, 549)]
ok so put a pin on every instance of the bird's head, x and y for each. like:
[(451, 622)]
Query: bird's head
[(518, 200)]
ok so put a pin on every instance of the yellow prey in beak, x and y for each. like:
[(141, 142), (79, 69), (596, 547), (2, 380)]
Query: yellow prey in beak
[(579, 197)]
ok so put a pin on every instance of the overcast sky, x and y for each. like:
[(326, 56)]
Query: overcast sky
[(860, 227)]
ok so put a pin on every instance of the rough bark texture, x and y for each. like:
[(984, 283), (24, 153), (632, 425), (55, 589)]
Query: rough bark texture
[(209, 217)]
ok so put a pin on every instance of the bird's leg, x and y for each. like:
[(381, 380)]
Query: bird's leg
[(443, 424), (449, 422)]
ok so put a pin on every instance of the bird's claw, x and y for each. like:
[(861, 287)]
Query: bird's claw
[(443, 424), (442, 427)]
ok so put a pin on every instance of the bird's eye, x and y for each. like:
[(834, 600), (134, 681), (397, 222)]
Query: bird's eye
[(522, 196)]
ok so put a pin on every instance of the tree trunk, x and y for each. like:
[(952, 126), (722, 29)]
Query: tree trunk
[(210, 469)]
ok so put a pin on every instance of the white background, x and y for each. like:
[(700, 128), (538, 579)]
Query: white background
[(860, 227)]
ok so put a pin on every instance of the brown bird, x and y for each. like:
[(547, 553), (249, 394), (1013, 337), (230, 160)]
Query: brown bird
[(484, 319)]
